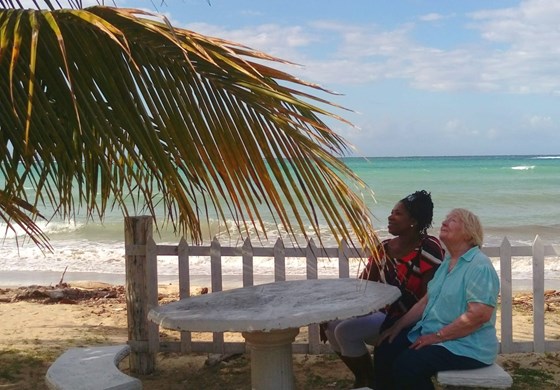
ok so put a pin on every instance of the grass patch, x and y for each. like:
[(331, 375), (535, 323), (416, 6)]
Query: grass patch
[(15, 365), (524, 378)]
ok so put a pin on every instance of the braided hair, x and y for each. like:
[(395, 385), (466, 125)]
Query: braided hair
[(420, 207)]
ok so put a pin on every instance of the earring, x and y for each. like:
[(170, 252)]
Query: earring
[(412, 225)]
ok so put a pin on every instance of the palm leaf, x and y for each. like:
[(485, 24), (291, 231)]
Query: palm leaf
[(113, 105)]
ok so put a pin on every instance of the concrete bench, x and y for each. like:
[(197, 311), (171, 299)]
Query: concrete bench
[(92, 368), (492, 376)]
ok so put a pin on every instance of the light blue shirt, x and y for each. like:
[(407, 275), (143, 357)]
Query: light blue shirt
[(473, 279)]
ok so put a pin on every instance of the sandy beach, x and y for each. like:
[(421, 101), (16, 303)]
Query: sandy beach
[(36, 329)]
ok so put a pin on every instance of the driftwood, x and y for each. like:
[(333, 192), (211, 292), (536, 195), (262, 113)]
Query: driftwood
[(62, 293), (62, 277), (66, 293), (524, 301)]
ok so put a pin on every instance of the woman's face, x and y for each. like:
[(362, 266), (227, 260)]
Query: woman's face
[(399, 220), (452, 229)]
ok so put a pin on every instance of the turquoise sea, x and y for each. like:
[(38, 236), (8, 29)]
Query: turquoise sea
[(514, 196)]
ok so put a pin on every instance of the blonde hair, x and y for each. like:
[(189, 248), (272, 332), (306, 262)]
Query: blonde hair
[(471, 226)]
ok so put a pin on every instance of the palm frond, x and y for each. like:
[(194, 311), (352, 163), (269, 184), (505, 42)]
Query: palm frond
[(114, 105)]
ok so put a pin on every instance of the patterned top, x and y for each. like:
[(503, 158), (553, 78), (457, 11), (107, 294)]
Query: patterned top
[(410, 274)]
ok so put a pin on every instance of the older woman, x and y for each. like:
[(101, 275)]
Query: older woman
[(408, 260), (453, 325)]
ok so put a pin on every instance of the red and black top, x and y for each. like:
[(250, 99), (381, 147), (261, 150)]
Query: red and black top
[(410, 274)]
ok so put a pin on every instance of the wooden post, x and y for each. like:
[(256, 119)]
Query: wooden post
[(311, 260), (247, 259), (141, 293), (217, 285), (343, 260), (506, 327), (279, 261), (312, 273), (538, 296), (184, 288)]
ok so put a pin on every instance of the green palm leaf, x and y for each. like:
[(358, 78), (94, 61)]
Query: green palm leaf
[(112, 105)]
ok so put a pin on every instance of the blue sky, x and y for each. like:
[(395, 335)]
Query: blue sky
[(422, 77)]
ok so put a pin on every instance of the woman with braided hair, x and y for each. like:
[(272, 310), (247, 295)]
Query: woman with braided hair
[(408, 260)]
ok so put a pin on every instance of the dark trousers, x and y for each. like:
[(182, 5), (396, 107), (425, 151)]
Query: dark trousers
[(398, 367)]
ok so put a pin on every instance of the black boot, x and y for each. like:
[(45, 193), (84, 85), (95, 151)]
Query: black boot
[(361, 367)]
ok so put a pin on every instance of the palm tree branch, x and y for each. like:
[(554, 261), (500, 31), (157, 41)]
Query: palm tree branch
[(130, 108)]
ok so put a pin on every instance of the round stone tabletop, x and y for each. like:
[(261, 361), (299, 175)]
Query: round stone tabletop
[(274, 306)]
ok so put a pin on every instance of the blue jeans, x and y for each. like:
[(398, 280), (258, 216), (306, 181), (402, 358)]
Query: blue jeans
[(398, 368)]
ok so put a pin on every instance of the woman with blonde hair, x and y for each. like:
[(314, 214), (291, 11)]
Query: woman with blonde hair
[(453, 326)]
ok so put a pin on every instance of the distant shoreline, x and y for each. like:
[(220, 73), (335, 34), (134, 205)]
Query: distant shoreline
[(12, 279)]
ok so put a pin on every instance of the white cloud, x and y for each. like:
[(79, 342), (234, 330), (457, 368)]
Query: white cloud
[(517, 51), (455, 128), (432, 17), (276, 40), (30, 4), (461, 132), (493, 134), (539, 122)]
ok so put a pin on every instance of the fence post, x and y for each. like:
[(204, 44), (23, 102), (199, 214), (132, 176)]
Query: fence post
[(343, 261), (184, 288), (311, 260), (506, 297), (312, 273), (279, 261), (141, 293), (217, 285), (247, 259), (538, 295)]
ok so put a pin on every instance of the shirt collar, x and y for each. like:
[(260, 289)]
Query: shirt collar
[(468, 255)]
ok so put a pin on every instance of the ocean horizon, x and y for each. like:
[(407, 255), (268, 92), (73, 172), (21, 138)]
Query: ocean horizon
[(515, 197)]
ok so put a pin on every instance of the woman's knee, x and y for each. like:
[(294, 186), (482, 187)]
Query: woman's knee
[(331, 337), (350, 339), (410, 371)]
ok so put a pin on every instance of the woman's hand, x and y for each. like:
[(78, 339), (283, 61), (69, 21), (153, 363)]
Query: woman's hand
[(425, 340), (411, 317), (468, 322), (389, 334)]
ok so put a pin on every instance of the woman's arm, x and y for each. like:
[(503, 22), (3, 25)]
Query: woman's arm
[(411, 317), (372, 270), (468, 322), (427, 263), (432, 257)]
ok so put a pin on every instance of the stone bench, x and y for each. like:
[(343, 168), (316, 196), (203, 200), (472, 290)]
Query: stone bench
[(492, 376), (91, 368)]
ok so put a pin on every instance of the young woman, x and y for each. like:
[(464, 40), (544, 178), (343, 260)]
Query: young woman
[(408, 261)]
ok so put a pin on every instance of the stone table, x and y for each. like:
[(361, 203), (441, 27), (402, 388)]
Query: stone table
[(269, 317)]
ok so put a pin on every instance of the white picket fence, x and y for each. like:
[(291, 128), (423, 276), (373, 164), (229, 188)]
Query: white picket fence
[(142, 253)]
